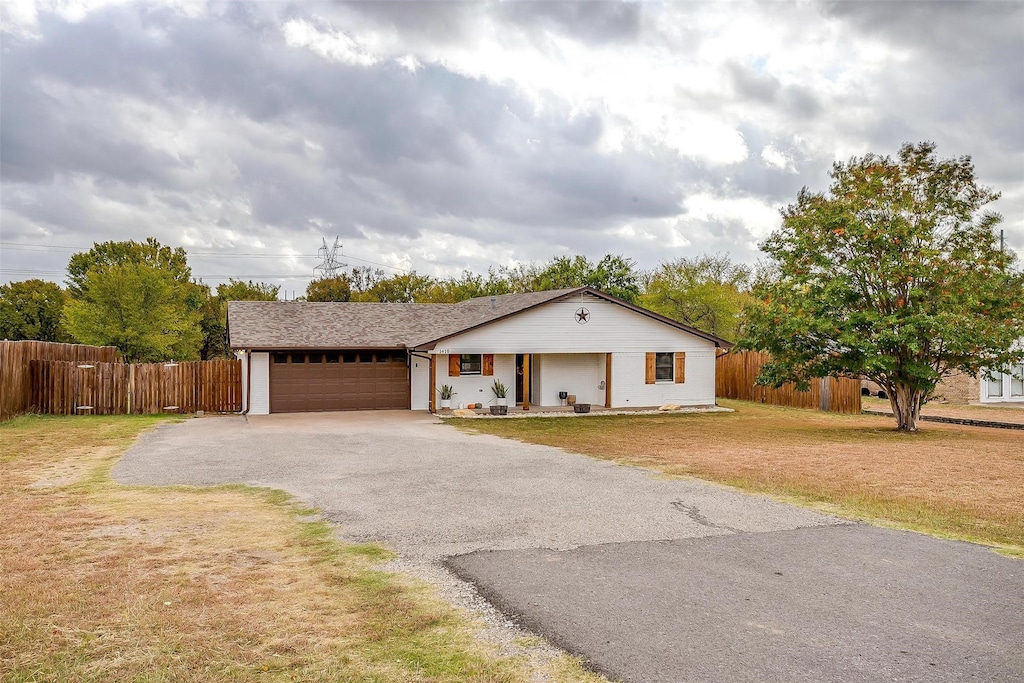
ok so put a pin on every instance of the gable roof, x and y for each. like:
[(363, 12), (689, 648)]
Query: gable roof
[(334, 325), (314, 325)]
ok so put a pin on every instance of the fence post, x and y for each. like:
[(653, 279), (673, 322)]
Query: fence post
[(131, 387)]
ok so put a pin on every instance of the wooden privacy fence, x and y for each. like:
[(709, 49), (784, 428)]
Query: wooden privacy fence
[(15, 373), (65, 388), (735, 374)]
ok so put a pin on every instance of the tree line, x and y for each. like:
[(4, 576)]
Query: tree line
[(894, 273), (141, 296)]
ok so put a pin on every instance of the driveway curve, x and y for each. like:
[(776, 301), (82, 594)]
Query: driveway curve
[(430, 491), (648, 578)]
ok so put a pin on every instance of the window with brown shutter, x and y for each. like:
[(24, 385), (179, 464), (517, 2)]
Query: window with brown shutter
[(488, 364), (680, 367), (664, 367), (454, 365), (470, 364)]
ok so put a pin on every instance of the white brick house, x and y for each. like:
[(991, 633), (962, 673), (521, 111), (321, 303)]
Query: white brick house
[(302, 356)]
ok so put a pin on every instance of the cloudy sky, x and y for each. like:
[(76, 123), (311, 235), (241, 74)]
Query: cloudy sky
[(439, 137)]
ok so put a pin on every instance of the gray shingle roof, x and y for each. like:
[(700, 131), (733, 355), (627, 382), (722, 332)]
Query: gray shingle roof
[(315, 325)]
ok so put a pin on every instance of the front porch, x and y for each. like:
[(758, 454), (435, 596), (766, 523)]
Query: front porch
[(568, 411), (552, 382), (548, 381)]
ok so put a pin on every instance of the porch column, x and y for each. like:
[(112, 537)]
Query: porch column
[(607, 380), (526, 381), (433, 382)]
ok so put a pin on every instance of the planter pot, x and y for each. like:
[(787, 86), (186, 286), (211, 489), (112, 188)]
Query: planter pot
[(499, 410), (501, 401), (581, 408), (446, 404)]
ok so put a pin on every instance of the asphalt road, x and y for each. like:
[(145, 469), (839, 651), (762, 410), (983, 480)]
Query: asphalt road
[(848, 603), (649, 579)]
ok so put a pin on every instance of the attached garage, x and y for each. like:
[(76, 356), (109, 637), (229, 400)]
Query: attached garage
[(316, 381)]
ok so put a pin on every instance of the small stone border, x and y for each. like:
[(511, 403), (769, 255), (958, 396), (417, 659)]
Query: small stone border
[(966, 421), (541, 413)]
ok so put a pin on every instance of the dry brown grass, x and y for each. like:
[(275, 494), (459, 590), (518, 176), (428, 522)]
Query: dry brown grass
[(961, 482), (102, 582)]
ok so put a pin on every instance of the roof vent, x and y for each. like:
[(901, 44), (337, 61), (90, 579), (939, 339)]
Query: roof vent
[(494, 302)]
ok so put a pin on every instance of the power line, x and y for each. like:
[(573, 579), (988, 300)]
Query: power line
[(200, 254), (291, 276)]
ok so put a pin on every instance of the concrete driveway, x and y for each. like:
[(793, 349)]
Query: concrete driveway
[(650, 579)]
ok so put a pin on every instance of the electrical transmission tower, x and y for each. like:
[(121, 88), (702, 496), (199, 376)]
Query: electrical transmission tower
[(330, 262)]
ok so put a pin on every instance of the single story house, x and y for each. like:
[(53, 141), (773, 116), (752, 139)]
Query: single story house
[(303, 356)]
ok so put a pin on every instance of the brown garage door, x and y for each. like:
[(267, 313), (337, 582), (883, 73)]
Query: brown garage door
[(307, 381)]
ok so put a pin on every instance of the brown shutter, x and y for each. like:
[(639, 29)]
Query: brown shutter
[(454, 365), (680, 367), (487, 364), (650, 369)]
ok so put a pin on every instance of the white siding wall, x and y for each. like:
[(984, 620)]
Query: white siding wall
[(241, 355), (260, 377), (552, 328), (627, 335), (577, 373), (477, 388), (630, 390), (419, 383)]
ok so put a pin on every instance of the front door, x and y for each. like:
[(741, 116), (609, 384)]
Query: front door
[(519, 378)]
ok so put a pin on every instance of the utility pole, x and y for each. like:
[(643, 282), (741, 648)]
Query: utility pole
[(330, 261)]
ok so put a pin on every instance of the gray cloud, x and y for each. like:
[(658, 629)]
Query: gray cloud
[(137, 121), (591, 22)]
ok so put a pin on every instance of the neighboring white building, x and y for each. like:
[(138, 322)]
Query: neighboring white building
[(544, 346), (1003, 387)]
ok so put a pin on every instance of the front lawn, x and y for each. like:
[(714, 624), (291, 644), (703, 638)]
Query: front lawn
[(103, 582), (952, 481)]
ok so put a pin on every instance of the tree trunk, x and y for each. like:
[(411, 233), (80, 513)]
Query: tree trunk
[(906, 406)]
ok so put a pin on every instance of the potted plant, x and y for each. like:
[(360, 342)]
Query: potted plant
[(446, 396), (500, 393)]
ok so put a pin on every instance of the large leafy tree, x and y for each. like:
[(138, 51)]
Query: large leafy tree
[(173, 261), (707, 291), (31, 309), (895, 274), (613, 274), (374, 285), (214, 316), (139, 308), (337, 288), (137, 296), (247, 290)]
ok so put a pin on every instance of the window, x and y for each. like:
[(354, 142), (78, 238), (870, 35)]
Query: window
[(316, 358), (279, 357), (331, 357), (663, 363), (995, 386), (365, 356), (1017, 382), (470, 364)]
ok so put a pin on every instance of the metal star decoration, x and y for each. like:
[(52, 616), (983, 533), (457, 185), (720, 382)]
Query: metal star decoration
[(582, 316)]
